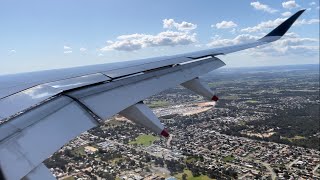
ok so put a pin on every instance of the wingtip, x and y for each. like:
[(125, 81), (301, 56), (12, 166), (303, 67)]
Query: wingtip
[(302, 10), (284, 27)]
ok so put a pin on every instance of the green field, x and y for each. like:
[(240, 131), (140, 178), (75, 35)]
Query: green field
[(144, 139), (295, 138), (79, 151), (115, 160), (242, 123), (253, 101), (69, 178), (190, 177), (228, 158), (191, 159), (158, 104)]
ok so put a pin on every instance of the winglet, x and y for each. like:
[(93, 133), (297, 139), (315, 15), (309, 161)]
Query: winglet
[(283, 27)]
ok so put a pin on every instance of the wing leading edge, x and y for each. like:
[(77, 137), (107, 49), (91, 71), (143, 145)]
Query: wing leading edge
[(34, 114)]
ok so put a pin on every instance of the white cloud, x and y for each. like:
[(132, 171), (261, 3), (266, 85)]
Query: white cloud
[(312, 3), (183, 26), (286, 14), (264, 25), (290, 4), (168, 23), (225, 25), (12, 51), (218, 42), (67, 52), (233, 31), (83, 49), (274, 23), (291, 43), (125, 45), (134, 42), (129, 36), (66, 47), (259, 6), (310, 21)]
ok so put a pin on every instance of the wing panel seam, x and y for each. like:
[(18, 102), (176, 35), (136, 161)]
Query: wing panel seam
[(96, 117)]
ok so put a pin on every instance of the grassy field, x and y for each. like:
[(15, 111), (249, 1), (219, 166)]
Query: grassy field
[(190, 177), (158, 104), (191, 159), (69, 178), (242, 123), (294, 138), (253, 101), (115, 160), (228, 158), (144, 139), (78, 151)]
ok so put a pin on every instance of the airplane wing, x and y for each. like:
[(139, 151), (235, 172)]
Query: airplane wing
[(42, 111)]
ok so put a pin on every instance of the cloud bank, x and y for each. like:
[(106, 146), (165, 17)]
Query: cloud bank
[(133, 42)]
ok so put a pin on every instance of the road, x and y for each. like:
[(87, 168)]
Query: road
[(315, 170), (273, 174), (292, 163)]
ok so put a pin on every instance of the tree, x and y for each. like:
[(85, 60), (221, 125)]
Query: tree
[(184, 176), (107, 176)]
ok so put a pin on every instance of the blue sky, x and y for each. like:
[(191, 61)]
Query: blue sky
[(37, 35)]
